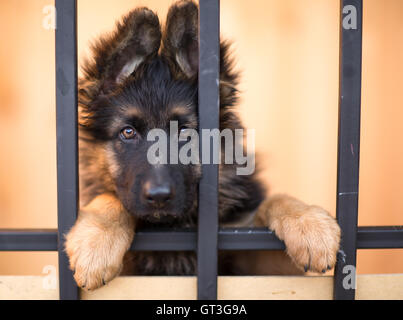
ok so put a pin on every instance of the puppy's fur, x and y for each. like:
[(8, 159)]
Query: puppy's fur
[(141, 78)]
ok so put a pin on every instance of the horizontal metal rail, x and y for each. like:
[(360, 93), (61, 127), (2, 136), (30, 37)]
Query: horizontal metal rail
[(389, 237), (28, 240)]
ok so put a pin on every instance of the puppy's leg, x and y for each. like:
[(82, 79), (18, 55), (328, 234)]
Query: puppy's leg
[(98, 241), (310, 233)]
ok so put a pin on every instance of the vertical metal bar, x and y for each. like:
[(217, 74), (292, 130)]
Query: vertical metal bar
[(349, 143), (66, 122), (209, 101)]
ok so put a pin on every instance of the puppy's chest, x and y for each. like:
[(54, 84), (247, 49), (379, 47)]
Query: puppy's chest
[(160, 263)]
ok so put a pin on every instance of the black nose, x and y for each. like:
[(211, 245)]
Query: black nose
[(158, 195)]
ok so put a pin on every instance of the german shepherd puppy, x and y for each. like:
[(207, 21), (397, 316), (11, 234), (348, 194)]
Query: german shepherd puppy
[(141, 78)]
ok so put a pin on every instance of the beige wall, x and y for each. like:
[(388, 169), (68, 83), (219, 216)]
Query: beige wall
[(288, 52)]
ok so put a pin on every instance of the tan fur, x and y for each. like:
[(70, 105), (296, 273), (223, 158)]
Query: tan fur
[(98, 241), (133, 112), (183, 110), (310, 233), (94, 161), (179, 110)]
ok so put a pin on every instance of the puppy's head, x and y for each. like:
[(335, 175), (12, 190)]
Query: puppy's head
[(142, 79)]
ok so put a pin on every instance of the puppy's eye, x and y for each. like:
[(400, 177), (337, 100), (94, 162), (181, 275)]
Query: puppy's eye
[(184, 133), (128, 133), (183, 129)]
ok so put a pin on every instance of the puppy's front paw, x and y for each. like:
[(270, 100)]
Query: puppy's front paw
[(95, 253), (312, 238)]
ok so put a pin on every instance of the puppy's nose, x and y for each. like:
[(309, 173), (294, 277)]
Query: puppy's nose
[(158, 195)]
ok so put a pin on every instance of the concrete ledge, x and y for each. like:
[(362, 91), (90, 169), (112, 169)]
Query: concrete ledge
[(377, 286)]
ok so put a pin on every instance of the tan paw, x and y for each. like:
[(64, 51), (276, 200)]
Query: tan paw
[(95, 253), (312, 238)]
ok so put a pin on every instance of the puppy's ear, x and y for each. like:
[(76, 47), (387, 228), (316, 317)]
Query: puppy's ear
[(180, 39), (116, 56)]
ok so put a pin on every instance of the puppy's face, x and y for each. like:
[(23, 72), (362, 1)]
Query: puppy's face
[(152, 100), (142, 79)]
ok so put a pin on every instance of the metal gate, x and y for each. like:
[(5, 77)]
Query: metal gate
[(209, 238)]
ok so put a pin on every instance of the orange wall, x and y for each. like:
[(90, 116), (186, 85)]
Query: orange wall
[(288, 52)]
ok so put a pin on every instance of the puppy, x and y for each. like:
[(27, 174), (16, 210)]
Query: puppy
[(142, 78)]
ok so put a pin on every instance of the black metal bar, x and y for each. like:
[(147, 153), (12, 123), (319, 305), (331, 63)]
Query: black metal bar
[(380, 237), (186, 240), (249, 239), (28, 240), (168, 240), (66, 122), (390, 237), (209, 102), (349, 138)]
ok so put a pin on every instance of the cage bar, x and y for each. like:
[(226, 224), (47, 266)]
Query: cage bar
[(28, 240), (349, 138), (380, 237), (66, 123), (209, 102), (390, 237)]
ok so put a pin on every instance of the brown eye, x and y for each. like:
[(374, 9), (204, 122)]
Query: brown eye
[(127, 133)]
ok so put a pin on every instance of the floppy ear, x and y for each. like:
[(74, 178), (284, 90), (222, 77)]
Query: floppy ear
[(180, 40), (116, 56)]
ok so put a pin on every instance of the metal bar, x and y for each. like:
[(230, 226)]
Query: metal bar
[(380, 237), (390, 237), (186, 240), (28, 240), (249, 239), (349, 138), (169, 240), (66, 122), (209, 102)]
